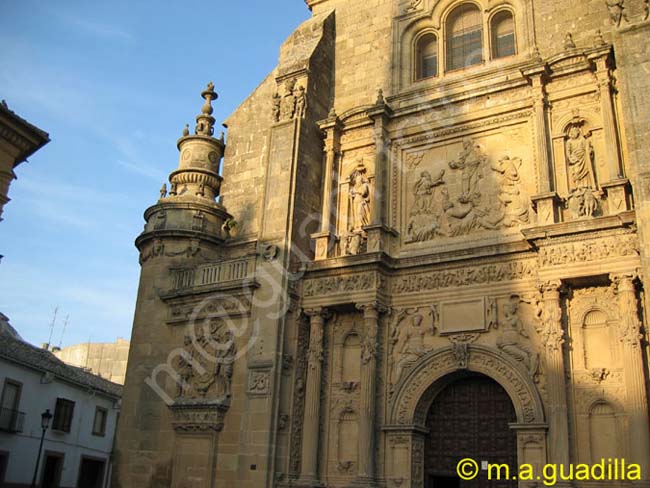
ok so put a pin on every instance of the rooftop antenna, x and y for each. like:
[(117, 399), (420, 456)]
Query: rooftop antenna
[(49, 341), (65, 325)]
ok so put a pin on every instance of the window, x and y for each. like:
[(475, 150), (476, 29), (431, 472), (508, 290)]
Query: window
[(99, 424), (503, 35), (10, 418), (427, 57), (63, 415), (464, 37)]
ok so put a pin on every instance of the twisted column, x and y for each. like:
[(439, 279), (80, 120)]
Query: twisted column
[(637, 403), (310, 428)]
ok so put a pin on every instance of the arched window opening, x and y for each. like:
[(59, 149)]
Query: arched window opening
[(464, 37), (503, 35), (427, 57)]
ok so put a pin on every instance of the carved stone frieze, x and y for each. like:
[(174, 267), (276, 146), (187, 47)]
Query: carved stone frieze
[(465, 276), (341, 284), (197, 418), (591, 250)]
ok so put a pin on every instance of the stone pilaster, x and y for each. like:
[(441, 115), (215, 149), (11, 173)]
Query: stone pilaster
[(324, 240), (552, 334), (310, 441), (636, 400), (546, 202), (378, 231), (617, 186), (367, 409)]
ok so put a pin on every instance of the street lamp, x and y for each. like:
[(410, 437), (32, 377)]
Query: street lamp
[(45, 423)]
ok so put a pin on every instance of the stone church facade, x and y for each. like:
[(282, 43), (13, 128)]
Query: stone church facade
[(427, 239)]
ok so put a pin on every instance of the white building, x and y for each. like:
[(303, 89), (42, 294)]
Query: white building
[(79, 441)]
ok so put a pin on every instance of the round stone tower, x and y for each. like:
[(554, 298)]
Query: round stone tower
[(191, 208)]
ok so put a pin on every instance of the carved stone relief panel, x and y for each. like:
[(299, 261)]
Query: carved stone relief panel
[(476, 184)]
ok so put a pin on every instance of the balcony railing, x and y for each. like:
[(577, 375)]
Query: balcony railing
[(11, 420)]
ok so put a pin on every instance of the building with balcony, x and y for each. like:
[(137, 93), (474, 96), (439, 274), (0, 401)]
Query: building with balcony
[(78, 443)]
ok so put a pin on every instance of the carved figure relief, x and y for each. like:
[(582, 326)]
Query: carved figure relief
[(512, 330), (616, 10), (291, 105), (206, 364), (407, 342), (584, 196), (471, 194)]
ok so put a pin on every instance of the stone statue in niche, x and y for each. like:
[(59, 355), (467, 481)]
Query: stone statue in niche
[(206, 364), (359, 205), (478, 206), (616, 10), (583, 199), (512, 330)]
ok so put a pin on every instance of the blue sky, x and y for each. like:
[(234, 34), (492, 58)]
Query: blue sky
[(113, 83)]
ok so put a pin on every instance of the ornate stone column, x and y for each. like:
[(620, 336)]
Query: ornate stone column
[(369, 347), (332, 130), (310, 430), (636, 404), (546, 201), (552, 334)]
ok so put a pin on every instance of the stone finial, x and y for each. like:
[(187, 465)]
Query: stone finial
[(537, 55), (599, 39), (380, 97), (568, 41), (163, 191), (186, 130), (205, 121)]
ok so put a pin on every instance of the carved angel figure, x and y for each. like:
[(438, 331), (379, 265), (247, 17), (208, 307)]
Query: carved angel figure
[(413, 348), (512, 331)]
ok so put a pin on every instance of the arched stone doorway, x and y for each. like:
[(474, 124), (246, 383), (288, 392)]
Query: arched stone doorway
[(469, 418), (413, 396)]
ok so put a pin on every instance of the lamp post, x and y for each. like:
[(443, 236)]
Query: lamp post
[(45, 423)]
